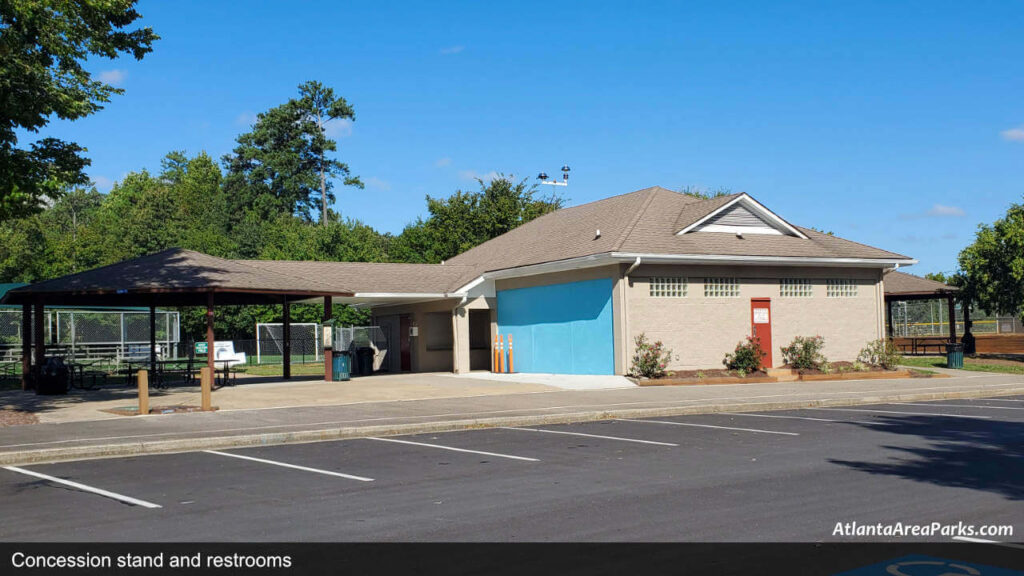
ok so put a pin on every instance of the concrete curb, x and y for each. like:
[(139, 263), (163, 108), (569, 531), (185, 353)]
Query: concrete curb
[(99, 451)]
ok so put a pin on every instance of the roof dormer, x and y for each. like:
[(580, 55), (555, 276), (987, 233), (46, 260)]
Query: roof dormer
[(743, 215)]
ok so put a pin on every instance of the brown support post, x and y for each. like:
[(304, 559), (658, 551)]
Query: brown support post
[(888, 318), (952, 317), (205, 389), (143, 379), (152, 340), (328, 351), (286, 349), (209, 334), (39, 334), (26, 346)]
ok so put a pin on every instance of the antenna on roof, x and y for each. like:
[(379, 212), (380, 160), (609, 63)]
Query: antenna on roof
[(543, 177)]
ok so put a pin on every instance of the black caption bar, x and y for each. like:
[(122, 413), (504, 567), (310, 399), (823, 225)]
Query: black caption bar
[(510, 559)]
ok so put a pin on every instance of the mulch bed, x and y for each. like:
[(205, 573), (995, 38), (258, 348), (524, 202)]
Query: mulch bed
[(720, 373), (17, 418), (841, 367), (704, 377)]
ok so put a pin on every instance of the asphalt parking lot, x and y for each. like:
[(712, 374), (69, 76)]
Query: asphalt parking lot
[(766, 477)]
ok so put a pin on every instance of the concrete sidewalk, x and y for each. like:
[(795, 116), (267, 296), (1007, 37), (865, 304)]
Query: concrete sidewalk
[(230, 428), (261, 393)]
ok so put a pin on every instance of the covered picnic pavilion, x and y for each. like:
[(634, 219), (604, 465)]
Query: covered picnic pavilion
[(901, 287), (173, 277)]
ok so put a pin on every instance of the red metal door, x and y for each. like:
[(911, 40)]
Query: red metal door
[(404, 326), (761, 326)]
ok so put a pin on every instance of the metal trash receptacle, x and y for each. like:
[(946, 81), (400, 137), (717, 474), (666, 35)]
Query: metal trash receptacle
[(342, 367), (364, 361), (954, 355)]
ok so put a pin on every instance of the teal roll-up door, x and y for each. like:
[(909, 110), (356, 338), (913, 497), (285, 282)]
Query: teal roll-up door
[(560, 328)]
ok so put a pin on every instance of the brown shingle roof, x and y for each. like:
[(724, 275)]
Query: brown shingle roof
[(643, 222), (646, 222), (363, 277), (903, 284), (178, 270), (566, 233)]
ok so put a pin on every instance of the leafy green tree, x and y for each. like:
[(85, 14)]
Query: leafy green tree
[(993, 266), (43, 47), (282, 166), (705, 193), (467, 219), (318, 105), (21, 241), (183, 206), (69, 244)]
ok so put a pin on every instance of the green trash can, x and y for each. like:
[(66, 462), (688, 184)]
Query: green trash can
[(342, 367), (955, 355)]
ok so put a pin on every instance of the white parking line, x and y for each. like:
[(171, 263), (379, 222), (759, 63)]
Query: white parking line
[(453, 449), (978, 540), (986, 541), (901, 412), (710, 426), (778, 416), (292, 466), (638, 441), (992, 400), (113, 495), (963, 406)]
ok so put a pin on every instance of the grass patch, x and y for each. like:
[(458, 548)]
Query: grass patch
[(973, 366), (311, 369)]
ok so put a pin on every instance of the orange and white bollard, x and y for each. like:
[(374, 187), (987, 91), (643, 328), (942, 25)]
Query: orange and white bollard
[(510, 369), (501, 353), (494, 354)]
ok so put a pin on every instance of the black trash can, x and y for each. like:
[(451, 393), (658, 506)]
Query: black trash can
[(364, 361), (53, 378), (954, 355)]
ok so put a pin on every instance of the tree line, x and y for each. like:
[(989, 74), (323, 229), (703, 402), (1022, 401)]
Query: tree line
[(192, 203), (269, 198)]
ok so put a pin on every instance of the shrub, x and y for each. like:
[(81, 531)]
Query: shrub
[(649, 359), (746, 358), (882, 353), (804, 353)]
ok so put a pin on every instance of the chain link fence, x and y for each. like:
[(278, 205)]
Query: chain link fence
[(95, 333), (931, 318)]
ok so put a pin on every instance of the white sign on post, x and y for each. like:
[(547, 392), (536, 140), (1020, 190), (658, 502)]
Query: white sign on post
[(760, 315)]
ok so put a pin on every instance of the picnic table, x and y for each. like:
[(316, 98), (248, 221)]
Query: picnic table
[(78, 369), (185, 367), (921, 344)]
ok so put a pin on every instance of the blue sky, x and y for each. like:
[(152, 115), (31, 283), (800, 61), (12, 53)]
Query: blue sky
[(899, 126)]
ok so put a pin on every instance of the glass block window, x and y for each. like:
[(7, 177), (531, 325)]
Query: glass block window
[(795, 288), (841, 288), (668, 287), (721, 288)]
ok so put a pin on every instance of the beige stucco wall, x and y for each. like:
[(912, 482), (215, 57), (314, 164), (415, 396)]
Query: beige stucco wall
[(422, 359), (449, 314), (618, 293), (700, 330)]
